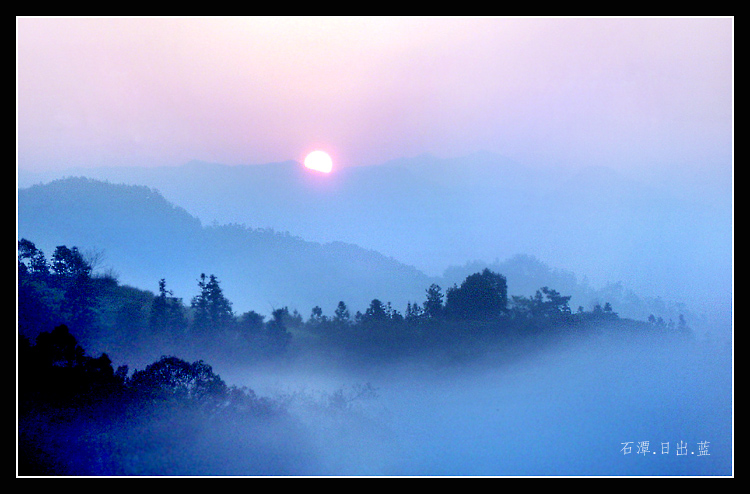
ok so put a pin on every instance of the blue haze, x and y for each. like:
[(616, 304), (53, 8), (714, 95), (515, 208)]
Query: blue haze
[(667, 238), (565, 410)]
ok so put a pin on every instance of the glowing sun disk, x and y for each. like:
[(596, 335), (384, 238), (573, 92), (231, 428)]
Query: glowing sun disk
[(319, 161)]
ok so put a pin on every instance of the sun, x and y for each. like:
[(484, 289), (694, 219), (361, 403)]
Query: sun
[(319, 161)]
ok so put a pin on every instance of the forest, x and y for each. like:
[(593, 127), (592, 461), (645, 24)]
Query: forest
[(84, 415), (101, 313)]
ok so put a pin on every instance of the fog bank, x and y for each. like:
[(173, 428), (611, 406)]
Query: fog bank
[(572, 409)]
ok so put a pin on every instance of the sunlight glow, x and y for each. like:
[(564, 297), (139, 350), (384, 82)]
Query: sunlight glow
[(319, 161)]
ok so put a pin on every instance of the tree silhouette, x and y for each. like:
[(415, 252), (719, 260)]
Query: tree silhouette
[(433, 306), (375, 313), (57, 370), (167, 314), (171, 377), (59, 348), (414, 313), (609, 312), (341, 316), (251, 322), (277, 336), (316, 316), (481, 296), (38, 304), (546, 303), (31, 261), (211, 309), (69, 264), (73, 275)]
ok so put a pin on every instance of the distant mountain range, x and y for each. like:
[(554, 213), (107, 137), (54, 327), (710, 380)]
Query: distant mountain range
[(144, 238), (423, 212)]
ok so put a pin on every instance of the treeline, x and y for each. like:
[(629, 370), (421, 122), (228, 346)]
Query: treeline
[(102, 313), (79, 416)]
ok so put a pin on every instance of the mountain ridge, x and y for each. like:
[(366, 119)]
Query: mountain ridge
[(434, 213), (147, 238)]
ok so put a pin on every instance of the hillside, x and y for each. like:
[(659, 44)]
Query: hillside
[(660, 239), (144, 238)]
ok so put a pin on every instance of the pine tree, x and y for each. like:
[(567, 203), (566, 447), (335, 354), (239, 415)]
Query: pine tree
[(73, 275), (219, 307), (167, 313), (199, 304), (211, 310), (342, 316), (433, 306), (376, 312)]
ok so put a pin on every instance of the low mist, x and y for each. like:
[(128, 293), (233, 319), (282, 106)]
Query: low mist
[(517, 258), (475, 386), (573, 408)]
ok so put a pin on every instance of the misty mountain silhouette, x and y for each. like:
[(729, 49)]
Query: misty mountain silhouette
[(144, 238), (434, 213)]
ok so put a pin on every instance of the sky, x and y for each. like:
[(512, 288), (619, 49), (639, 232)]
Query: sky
[(633, 93)]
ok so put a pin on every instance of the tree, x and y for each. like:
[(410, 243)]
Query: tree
[(211, 309), (251, 322), (73, 275), (549, 303), (609, 312), (59, 348), (158, 319), (375, 313), (341, 316), (433, 306), (252, 328), (220, 308), (317, 317), (394, 315), (69, 264), (481, 296), (199, 304), (546, 303), (171, 377), (278, 337), (167, 313), (38, 302), (58, 370), (414, 314), (31, 261), (606, 312)]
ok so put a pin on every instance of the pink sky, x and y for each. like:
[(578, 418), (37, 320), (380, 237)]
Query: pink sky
[(162, 91)]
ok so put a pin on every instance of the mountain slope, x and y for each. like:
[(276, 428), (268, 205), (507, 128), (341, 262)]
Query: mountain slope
[(433, 213), (145, 238)]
